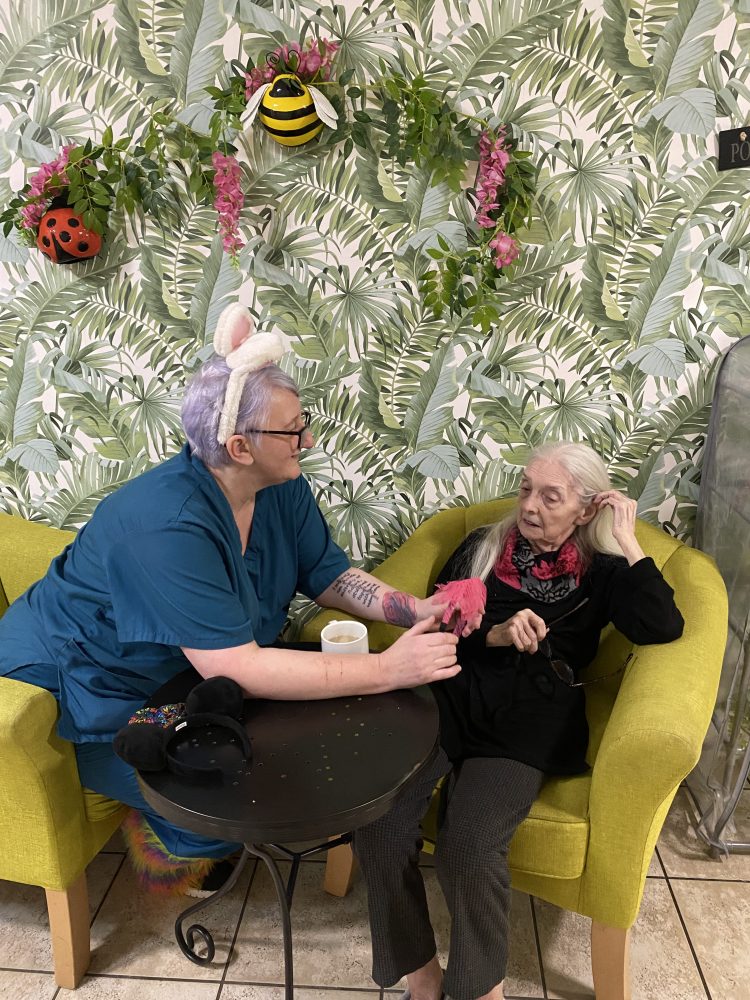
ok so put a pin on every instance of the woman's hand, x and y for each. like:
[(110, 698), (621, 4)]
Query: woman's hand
[(524, 630), (436, 606), (421, 656), (431, 607), (624, 512)]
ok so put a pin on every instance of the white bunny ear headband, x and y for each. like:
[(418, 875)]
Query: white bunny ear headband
[(244, 352)]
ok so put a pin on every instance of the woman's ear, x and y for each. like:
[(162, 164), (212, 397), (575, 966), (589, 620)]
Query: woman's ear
[(239, 450), (588, 514)]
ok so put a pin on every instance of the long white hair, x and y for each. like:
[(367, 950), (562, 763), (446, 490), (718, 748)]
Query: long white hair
[(590, 476)]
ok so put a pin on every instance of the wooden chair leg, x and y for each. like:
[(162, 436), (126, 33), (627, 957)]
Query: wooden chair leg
[(610, 962), (341, 866), (68, 912)]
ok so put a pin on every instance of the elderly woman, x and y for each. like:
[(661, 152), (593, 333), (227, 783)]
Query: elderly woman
[(196, 562), (561, 567)]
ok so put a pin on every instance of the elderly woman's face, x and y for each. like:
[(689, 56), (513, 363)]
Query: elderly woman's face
[(550, 507)]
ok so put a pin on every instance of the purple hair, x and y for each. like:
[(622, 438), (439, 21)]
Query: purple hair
[(204, 399)]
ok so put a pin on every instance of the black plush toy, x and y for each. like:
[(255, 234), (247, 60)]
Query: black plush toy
[(146, 740)]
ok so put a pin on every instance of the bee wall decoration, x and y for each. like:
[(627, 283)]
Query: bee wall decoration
[(291, 112)]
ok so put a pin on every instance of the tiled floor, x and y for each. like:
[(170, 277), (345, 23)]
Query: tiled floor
[(690, 942)]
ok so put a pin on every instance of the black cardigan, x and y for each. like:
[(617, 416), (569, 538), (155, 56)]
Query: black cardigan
[(510, 704)]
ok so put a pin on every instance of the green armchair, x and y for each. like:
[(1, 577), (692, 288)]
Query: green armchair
[(50, 827), (588, 840)]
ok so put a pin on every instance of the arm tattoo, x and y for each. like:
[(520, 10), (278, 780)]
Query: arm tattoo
[(350, 584), (399, 609)]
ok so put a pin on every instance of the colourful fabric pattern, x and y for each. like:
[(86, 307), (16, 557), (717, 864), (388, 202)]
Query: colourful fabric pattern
[(157, 869), (164, 715)]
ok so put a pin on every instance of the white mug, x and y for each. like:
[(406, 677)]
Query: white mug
[(344, 637)]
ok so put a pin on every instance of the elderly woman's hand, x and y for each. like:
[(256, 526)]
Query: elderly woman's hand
[(624, 511), (524, 630)]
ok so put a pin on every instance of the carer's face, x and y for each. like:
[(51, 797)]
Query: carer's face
[(550, 507), (276, 456)]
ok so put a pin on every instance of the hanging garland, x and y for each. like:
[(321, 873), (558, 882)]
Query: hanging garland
[(64, 209)]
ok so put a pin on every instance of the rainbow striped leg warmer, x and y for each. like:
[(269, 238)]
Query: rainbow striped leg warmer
[(157, 869)]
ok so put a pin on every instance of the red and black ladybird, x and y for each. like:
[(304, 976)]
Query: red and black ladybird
[(63, 237)]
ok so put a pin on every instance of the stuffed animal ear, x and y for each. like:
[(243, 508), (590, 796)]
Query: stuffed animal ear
[(220, 695), (235, 325), (144, 747)]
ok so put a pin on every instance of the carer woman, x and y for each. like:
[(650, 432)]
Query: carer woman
[(196, 562)]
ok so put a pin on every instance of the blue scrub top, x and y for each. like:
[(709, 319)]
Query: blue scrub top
[(160, 566)]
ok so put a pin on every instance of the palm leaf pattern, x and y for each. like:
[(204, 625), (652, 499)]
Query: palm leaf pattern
[(28, 43), (633, 280)]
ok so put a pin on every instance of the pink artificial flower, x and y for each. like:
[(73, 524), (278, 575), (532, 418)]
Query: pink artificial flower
[(310, 64), (493, 159), (483, 219), (291, 49), (500, 158), (47, 170), (228, 201), (506, 249), (33, 213), (253, 80), (43, 188)]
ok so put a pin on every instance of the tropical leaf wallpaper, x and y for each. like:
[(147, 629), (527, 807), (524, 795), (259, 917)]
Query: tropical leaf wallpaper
[(632, 281)]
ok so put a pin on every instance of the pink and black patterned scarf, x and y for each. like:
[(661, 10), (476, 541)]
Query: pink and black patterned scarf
[(547, 577)]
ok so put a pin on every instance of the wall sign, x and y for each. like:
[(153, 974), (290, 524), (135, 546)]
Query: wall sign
[(734, 148)]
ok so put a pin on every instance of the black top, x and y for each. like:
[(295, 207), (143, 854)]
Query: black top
[(510, 704), (318, 768)]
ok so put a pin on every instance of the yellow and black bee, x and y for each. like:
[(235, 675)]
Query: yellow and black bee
[(292, 112)]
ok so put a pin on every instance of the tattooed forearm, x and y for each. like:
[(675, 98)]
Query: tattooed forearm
[(399, 609), (350, 584)]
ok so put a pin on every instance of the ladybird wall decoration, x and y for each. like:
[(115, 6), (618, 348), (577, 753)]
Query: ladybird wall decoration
[(291, 112), (63, 238)]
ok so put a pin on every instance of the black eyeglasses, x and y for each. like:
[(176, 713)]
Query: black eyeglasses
[(563, 670), (306, 418)]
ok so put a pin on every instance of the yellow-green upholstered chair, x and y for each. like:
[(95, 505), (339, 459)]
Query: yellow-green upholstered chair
[(588, 841), (50, 828)]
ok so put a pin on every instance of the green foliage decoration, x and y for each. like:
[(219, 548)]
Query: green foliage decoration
[(99, 178)]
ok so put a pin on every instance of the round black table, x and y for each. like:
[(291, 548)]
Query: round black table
[(317, 768)]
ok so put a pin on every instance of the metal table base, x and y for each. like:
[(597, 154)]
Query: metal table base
[(186, 939)]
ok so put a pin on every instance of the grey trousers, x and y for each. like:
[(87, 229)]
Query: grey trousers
[(487, 798)]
